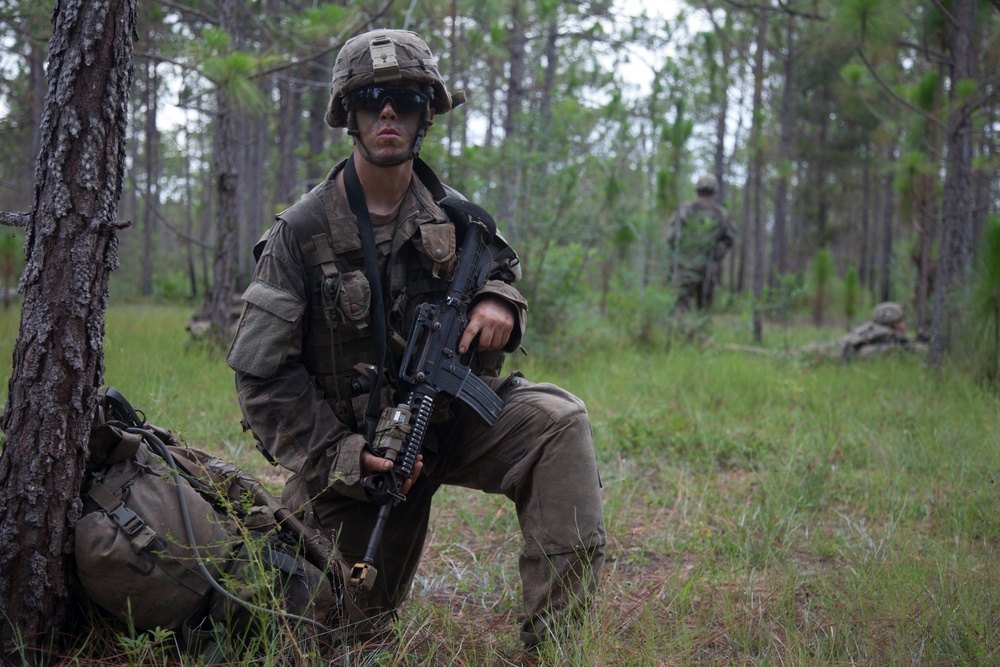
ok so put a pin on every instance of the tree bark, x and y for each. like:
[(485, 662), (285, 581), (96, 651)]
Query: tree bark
[(510, 172), (956, 254), (227, 186), (316, 133), (151, 194), (864, 265), (71, 247), (754, 179), (36, 103), (779, 254), (888, 217), (289, 136)]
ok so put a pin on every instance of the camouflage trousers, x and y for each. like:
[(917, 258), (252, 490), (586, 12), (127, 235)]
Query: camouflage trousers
[(540, 455)]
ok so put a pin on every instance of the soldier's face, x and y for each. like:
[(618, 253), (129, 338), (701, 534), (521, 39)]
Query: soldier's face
[(389, 132)]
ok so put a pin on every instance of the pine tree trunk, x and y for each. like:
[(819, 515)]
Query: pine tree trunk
[(36, 104), (227, 218), (228, 123), (957, 223), (779, 255), (71, 247), (888, 217), (316, 132), (151, 194), (510, 185), (754, 180), (289, 136), (864, 265)]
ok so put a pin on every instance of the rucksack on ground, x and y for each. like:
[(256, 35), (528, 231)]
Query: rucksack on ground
[(174, 538)]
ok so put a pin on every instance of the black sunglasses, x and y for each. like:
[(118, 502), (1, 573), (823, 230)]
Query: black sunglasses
[(373, 98)]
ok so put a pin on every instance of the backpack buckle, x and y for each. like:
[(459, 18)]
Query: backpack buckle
[(135, 529)]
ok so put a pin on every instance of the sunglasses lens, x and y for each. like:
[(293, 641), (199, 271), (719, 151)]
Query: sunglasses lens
[(373, 98)]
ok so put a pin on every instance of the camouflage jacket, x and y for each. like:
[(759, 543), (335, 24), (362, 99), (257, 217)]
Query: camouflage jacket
[(698, 232), (870, 338), (305, 333)]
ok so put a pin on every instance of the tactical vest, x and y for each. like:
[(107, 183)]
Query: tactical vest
[(338, 339)]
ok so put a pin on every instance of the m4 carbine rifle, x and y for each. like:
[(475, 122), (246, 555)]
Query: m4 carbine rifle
[(431, 365)]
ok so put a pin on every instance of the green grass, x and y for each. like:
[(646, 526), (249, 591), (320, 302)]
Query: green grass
[(760, 511)]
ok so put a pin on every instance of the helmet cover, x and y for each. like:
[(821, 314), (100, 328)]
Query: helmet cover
[(385, 56), (706, 183), (887, 313)]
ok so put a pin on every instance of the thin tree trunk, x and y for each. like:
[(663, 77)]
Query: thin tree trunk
[(227, 175), (151, 194), (207, 219), (316, 132), (864, 266), (36, 103), (289, 136), (253, 186), (779, 255), (955, 262), (189, 220), (719, 157), (926, 227), (745, 238), (875, 246), (510, 185), (71, 247), (452, 66), (926, 216), (755, 177), (888, 218)]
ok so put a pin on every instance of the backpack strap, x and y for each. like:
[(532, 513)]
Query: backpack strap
[(135, 529)]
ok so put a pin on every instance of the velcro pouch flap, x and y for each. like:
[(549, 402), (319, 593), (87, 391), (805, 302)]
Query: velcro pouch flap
[(109, 444), (438, 247)]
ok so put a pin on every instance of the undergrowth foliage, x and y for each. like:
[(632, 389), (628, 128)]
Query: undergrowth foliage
[(760, 510)]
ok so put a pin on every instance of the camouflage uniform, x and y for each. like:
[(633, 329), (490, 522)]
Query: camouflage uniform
[(883, 333), (699, 234), (297, 353)]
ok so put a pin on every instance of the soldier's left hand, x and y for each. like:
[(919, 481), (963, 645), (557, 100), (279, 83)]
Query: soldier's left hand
[(373, 465), (492, 319)]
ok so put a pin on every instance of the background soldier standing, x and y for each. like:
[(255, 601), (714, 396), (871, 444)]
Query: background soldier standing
[(699, 235), (305, 354)]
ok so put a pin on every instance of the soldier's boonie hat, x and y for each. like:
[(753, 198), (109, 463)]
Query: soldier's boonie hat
[(385, 56), (706, 183), (887, 313)]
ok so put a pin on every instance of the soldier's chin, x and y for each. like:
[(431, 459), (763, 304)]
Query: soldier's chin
[(388, 155)]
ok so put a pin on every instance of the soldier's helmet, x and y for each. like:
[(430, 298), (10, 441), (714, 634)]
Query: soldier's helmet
[(887, 313), (706, 184), (385, 56)]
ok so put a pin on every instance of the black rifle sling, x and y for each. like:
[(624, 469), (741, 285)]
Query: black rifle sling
[(356, 199), (458, 210)]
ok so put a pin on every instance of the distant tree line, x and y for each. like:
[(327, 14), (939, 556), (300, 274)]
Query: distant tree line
[(865, 128)]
